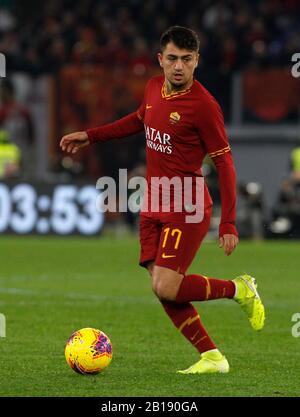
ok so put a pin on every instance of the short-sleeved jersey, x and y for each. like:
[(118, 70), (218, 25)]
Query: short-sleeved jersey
[(181, 129)]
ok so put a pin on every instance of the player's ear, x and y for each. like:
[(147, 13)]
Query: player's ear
[(159, 57), (197, 61)]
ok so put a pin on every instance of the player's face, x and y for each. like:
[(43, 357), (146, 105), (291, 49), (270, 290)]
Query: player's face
[(178, 66)]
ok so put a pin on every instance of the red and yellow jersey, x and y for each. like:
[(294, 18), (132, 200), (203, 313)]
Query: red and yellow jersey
[(181, 128)]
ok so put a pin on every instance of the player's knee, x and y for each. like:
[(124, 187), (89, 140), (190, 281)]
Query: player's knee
[(163, 292), (161, 288), (165, 283)]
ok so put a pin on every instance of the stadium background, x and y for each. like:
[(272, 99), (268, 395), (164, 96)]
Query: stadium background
[(72, 65)]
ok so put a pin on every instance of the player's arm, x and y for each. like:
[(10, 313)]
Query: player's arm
[(126, 126), (228, 236), (212, 130)]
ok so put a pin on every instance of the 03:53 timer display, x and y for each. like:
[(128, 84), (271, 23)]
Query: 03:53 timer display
[(43, 209)]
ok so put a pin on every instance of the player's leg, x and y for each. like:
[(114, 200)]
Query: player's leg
[(173, 247), (242, 289), (170, 285), (178, 246), (174, 286), (165, 280), (175, 253), (187, 320)]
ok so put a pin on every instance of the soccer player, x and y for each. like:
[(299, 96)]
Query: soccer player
[(183, 123)]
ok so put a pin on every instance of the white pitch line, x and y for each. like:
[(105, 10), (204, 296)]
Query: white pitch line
[(78, 296)]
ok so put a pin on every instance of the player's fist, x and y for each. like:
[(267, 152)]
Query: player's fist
[(74, 141), (228, 242)]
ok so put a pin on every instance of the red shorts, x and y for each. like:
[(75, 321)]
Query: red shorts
[(171, 244)]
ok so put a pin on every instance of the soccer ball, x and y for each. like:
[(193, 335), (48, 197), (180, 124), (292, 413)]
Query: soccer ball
[(88, 351)]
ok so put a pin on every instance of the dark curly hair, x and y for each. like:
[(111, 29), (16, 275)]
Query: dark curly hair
[(182, 37)]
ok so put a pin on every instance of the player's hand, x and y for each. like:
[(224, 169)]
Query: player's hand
[(228, 243), (74, 141)]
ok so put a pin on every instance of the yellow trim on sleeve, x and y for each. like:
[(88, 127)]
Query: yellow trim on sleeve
[(219, 152)]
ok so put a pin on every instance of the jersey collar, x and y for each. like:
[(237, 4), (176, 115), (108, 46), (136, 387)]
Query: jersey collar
[(175, 94)]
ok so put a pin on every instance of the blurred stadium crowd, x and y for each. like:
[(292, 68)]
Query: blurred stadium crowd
[(234, 34), (100, 54), (42, 37)]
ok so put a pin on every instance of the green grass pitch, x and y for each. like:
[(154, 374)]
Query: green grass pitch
[(50, 287)]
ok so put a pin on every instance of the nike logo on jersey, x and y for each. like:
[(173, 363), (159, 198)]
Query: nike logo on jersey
[(148, 107), (168, 256)]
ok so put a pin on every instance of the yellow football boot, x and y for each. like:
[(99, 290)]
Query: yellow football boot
[(211, 362), (248, 298)]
